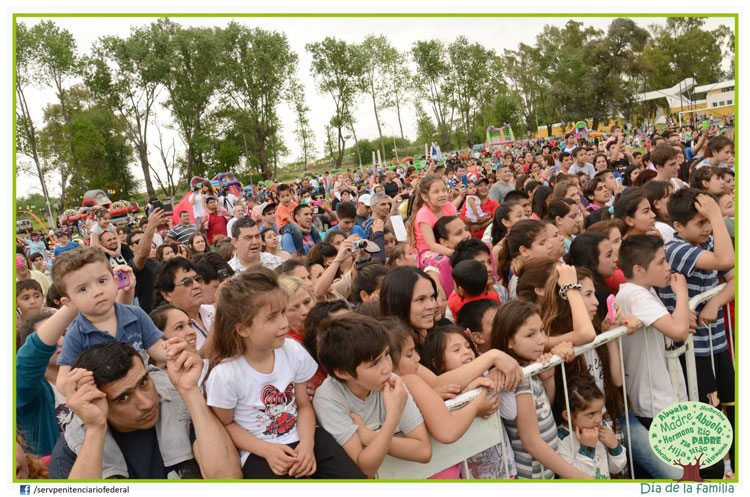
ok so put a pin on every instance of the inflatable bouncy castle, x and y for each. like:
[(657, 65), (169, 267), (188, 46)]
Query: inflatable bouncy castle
[(499, 136), (221, 182)]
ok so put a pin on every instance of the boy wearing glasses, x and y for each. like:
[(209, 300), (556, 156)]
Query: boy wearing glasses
[(92, 312)]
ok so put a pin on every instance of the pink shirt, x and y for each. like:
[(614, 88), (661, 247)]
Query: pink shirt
[(425, 215)]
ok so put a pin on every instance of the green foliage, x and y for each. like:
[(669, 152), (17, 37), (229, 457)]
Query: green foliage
[(683, 49), (433, 85), (257, 67), (338, 69), (98, 138)]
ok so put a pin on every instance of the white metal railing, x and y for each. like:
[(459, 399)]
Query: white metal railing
[(485, 433)]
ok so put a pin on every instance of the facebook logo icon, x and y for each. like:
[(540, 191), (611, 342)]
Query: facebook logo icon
[(25, 489)]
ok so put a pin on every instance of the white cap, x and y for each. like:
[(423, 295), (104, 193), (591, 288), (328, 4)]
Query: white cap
[(365, 199)]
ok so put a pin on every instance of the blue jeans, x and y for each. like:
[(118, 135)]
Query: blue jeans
[(642, 453), (296, 233)]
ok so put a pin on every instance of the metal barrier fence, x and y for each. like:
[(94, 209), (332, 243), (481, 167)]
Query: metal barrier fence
[(486, 433)]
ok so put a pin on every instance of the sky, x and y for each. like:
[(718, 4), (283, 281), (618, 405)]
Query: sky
[(494, 33)]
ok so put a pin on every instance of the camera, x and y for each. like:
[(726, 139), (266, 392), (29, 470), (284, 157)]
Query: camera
[(367, 246)]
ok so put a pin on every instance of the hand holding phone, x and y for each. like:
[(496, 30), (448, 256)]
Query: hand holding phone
[(123, 279)]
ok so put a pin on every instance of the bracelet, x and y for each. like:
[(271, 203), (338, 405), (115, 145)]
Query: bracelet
[(565, 288)]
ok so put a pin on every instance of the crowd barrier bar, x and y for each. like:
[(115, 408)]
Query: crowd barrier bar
[(485, 433)]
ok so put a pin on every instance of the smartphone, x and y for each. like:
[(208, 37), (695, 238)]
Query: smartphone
[(618, 181), (123, 279), (705, 124)]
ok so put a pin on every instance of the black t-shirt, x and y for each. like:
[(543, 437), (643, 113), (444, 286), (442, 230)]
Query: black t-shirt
[(142, 457), (621, 165), (144, 283), (391, 189)]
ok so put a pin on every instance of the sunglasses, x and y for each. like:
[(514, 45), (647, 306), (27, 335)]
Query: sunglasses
[(188, 281)]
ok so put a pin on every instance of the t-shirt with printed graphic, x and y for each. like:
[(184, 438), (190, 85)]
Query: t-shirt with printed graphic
[(527, 466), (264, 404)]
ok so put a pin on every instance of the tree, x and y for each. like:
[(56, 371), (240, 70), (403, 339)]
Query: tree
[(615, 64), (433, 84), (468, 79), (380, 58), (126, 76), (335, 73), (683, 49), (690, 430), (258, 67), (100, 141), (426, 129), (168, 156), (398, 85), (191, 78), (26, 133), (303, 129), (58, 62)]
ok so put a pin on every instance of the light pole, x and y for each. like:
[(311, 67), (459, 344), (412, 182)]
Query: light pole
[(395, 149)]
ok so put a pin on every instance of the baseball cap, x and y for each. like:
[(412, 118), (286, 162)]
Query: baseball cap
[(265, 206), (364, 199), (481, 179), (20, 261)]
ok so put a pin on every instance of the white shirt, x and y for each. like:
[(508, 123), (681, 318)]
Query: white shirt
[(267, 260), (648, 308), (264, 404)]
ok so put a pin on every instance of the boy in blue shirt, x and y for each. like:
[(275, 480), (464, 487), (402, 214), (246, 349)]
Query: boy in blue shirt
[(702, 258), (63, 243), (87, 285)]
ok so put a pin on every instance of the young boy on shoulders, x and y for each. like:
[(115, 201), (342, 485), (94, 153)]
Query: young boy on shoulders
[(643, 262), (701, 259), (88, 286), (470, 277), (354, 350)]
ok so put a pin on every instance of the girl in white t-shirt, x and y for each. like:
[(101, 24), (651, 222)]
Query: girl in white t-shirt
[(103, 223), (256, 384)]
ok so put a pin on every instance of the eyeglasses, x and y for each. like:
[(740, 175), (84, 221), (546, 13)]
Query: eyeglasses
[(188, 281)]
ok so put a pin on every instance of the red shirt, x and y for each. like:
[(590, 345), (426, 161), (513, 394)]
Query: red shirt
[(320, 374), (217, 225), (456, 302), (488, 207)]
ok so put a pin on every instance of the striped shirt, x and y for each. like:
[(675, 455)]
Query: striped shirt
[(526, 465), (182, 233), (682, 257)]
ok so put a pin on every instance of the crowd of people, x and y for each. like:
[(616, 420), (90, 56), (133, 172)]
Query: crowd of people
[(312, 328)]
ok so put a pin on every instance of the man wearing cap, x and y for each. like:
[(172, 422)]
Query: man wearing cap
[(267, 219), (487, 205), (363, 210)]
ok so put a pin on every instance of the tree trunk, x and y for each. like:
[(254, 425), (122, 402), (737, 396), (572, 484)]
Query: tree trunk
[(260, 142), (691, 472), (190, 161), (143, 156), (398, 113), (340, 144), (549, 130), (66, 118), (31, 134), (377, 120), (595, 123)]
